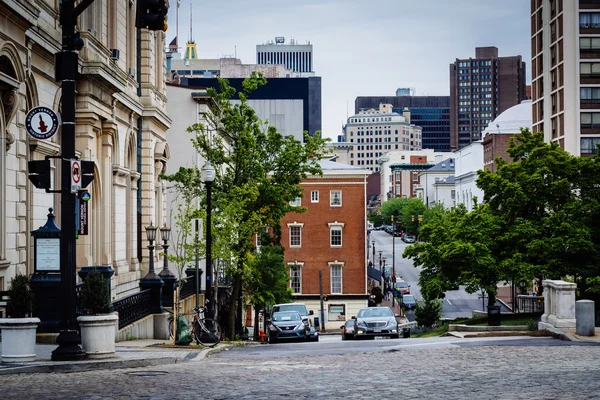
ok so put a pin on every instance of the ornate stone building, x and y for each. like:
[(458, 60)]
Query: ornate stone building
[(121, 124)]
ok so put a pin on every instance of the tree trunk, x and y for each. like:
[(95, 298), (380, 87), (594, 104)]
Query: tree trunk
[(256, 327), (491, 298), (232, 312)]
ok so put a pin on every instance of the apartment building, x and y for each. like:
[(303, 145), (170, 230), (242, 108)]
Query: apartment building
[(565, 49), (328, 242), (373, 132), (481, 88)]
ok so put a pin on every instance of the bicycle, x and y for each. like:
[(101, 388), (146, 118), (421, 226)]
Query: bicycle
[(206, 331)]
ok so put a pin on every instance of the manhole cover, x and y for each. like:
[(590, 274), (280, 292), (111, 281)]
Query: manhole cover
[(147, 373)]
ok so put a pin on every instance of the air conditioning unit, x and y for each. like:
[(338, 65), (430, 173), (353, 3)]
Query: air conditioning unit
[(132, 72), (114, 54)]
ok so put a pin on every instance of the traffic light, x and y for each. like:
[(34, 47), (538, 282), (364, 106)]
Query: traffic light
[(39, 173), (87, 173), (420, 218), (412, 218), (152, 14)]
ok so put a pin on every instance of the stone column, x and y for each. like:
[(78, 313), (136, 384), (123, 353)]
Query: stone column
[(109, 133), (585, 316)]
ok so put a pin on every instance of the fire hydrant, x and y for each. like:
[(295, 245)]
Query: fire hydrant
[(261, 335)]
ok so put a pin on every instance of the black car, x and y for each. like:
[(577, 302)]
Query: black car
[(409, 302), (290, 325), (376, 321)]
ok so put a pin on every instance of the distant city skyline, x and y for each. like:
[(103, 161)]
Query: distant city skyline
[(360, 50)]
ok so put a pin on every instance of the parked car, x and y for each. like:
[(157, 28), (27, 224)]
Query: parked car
[(389, 229), (402, 286), (409, 302), (288, 325), (348, 329), (406, 238), (376, 321), (304, 313)]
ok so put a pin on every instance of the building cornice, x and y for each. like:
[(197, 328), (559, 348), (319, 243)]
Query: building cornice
[(410, 167)]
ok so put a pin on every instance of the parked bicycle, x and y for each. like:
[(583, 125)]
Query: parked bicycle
[(205, 331)]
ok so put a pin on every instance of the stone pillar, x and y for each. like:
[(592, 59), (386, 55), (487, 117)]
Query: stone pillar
[(559, 304), (585, 315), (109, 132)]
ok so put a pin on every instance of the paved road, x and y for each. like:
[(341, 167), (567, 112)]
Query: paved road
[(471, 369), (458, 303)]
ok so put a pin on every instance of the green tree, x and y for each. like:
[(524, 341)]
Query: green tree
[(258, 172), (428, 313)]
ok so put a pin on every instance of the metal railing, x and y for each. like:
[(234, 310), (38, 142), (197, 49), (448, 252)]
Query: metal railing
[(79, 310), (133, 308), (530, 304), (189, 287), (3, 300)]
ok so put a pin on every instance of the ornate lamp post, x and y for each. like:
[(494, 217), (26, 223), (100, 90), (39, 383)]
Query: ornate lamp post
[(208, 175), (152, 280), (167, 276)]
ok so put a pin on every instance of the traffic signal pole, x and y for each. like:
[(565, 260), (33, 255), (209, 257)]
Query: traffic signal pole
[(67, 60)]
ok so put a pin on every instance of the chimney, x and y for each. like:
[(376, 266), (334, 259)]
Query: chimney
[(406, 114)]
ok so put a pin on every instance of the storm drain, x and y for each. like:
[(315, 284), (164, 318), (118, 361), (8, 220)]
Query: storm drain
[(146, 373)]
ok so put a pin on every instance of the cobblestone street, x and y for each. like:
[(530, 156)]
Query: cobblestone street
[(488, 372)]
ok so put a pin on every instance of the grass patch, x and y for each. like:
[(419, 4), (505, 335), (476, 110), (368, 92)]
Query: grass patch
[(510, 322), (438, 331)]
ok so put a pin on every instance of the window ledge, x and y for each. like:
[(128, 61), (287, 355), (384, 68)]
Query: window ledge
[(4, 264)]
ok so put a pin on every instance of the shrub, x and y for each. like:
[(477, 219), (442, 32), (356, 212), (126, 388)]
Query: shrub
[(20, 298), (429, 313), (94, 293)]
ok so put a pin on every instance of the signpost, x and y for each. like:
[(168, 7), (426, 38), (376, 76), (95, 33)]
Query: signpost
[(41, 123), (75, 176)]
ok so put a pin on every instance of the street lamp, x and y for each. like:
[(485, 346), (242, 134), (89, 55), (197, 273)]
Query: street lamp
[(208, 175), (151, 236), (167, 276), (373, 251)]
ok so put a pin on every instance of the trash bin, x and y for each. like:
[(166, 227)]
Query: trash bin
[(493, 315), (405, 333), (317, 325)]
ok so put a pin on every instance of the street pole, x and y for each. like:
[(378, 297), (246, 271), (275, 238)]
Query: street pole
[(197, 263), (321, 299), (68, 338), (209, 269)]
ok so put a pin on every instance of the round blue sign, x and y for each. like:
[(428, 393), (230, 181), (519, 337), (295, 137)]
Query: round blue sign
[(86, 196)]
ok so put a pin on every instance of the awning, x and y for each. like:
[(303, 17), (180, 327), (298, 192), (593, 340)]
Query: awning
[(373, 273)]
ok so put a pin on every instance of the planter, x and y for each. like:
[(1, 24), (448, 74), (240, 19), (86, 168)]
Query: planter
[(18, 339), (98, 335)]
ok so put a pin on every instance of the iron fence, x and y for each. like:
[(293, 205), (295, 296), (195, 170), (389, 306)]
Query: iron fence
[(133, 308), (189, 287), (530, 304)]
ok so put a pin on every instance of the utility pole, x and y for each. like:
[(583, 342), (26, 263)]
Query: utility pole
[(321, 299)]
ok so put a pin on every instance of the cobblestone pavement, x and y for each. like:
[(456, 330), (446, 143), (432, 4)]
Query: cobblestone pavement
[(488, 372)]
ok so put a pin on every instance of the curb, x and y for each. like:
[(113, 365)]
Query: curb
[(91, 366)]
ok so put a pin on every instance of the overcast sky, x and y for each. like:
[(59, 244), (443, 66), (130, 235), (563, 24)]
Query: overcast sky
[(361, 48)]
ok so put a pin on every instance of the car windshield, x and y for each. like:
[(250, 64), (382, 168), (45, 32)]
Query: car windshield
[(301, 309), (286, 316), (375, 312), (350, 323), (401, 284), (408, 298)]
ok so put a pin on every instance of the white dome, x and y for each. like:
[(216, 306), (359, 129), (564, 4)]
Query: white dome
[(512, 120)]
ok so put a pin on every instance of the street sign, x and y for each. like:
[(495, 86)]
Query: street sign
[(41, 122), (75, 176), (82, 212), (86, 196)]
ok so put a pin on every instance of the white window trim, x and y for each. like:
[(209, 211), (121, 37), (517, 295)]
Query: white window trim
[(331, 198), (341, 228), (300, 265), (341, 265), (295, 224), (312, 199), (299, 199)]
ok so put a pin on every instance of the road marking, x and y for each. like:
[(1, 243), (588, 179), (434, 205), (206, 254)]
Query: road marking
[(448, 301)]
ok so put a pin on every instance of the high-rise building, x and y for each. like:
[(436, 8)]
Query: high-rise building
[(431, 113), (481, 88), (566, 73), (295, 56), (373, 132)]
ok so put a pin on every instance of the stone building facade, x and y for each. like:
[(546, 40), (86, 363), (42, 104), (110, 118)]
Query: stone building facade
[(121, 124)]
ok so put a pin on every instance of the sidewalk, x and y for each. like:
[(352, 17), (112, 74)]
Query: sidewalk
[(129, 354)]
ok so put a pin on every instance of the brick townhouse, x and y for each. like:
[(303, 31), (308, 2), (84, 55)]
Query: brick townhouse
[(329, 238)]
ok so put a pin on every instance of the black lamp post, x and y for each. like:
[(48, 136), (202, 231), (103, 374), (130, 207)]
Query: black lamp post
[(373, 251), (383, 273), (167, 276), (152, 280), (208, 176)]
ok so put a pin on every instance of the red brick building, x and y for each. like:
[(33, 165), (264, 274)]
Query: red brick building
[(497, 135), (330, 238)]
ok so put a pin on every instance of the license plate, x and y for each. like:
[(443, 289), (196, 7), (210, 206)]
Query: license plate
[(378, 337), (376, 330)]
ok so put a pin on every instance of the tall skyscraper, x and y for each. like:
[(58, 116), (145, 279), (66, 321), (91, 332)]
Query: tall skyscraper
[(566, 73), (295, 56), (481, 88)]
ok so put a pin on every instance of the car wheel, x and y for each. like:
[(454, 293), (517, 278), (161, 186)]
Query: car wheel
[(272, 340), (395, 336), (316, 339), (343, 337)]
